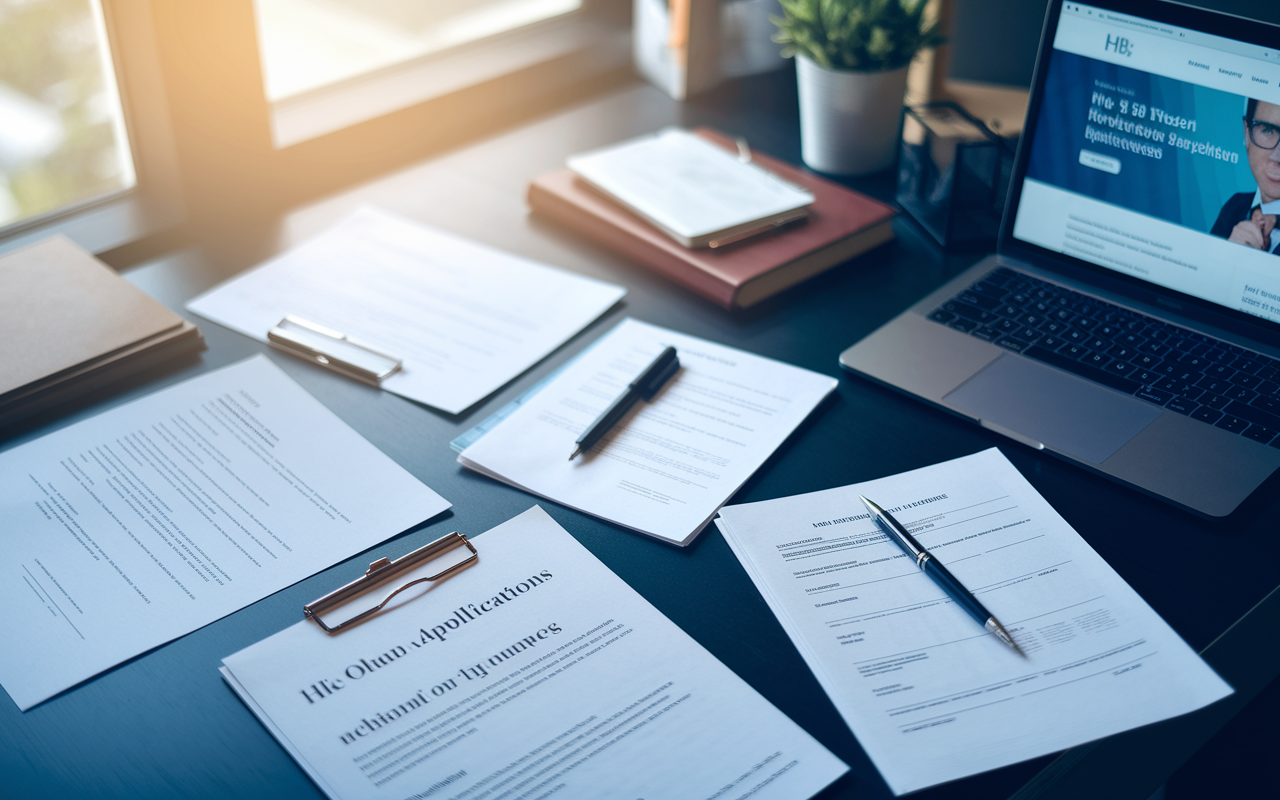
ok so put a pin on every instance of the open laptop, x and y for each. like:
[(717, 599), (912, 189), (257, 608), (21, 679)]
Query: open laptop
[(1130, 320)]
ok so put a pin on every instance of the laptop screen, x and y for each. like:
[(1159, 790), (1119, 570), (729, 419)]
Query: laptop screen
[(1155, 154)]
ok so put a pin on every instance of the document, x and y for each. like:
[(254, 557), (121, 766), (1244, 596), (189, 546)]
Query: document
[(140, 525), (465, 318), (534, 673), (694, 191), (670, 463), (932, 696)]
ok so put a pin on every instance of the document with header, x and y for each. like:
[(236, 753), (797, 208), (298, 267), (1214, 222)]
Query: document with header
[(669, 463), (931, 695), (536, 672), (155, 518), (464, 318)]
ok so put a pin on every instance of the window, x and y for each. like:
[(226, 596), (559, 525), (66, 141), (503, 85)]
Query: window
[(307, 44), (63, 141), (67, 154), (331, 64), (120, 119)]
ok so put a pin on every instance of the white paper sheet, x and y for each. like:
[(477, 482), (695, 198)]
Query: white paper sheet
[(670, 463), (465, 318), (536, 672), (686, 185), (148, 521), (930, 695)]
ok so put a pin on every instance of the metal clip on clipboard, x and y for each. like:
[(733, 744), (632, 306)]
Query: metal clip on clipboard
[(382, 572), (332, 349)]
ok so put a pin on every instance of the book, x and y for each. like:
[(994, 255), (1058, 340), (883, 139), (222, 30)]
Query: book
[(691, 189), (70, 324), (841, 224)]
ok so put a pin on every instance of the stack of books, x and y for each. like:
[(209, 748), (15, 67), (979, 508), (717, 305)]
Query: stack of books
[(70, 324), (735, 226)]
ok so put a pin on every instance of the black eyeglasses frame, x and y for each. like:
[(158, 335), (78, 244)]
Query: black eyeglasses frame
[(1250, 124)]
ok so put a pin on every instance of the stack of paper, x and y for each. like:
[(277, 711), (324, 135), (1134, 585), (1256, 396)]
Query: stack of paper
[(535, 673), (669, 464), (148, 521), (930, 695), (464, 318)]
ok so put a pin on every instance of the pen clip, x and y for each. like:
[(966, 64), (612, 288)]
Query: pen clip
[(384, 570), (658, 373)]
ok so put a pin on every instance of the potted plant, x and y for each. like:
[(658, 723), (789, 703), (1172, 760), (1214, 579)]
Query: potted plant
[(851, 68)]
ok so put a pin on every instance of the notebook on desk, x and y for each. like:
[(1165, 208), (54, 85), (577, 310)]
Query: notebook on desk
[(694, 191), (839, 225), (1130, 319), (70, 325)]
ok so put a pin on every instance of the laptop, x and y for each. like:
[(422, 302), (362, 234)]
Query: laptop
[(1130, 319)]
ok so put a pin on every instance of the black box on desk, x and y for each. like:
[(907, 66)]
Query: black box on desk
[(953, 174)]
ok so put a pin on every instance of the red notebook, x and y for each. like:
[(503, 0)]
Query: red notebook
[(842, 224)]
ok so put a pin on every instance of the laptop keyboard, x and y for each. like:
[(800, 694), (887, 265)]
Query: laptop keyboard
[(1204, 378)]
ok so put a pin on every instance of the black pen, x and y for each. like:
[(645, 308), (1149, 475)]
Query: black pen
[(940, 574), (646, 386)]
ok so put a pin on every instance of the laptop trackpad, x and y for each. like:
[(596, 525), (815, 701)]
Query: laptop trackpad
[(1065, 413)]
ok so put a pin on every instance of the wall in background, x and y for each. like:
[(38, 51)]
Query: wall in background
[(995, 41)]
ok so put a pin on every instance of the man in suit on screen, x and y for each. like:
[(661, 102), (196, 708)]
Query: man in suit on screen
[(1249, 218)]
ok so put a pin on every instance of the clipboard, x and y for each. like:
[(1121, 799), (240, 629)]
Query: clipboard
[(381, 573), (333, 349)]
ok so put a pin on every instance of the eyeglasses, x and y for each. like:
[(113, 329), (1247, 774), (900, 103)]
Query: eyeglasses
[(1263, 134)]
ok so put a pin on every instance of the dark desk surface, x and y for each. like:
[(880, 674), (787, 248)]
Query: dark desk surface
[(165, 724)]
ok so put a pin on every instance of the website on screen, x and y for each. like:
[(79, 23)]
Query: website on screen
[(1157, 154)]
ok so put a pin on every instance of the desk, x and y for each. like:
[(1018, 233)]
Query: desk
[(165, 725)]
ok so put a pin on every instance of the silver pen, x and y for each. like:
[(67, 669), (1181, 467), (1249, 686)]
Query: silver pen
[(940, 574)]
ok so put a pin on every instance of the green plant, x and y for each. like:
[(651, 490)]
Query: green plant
[(865, 35)]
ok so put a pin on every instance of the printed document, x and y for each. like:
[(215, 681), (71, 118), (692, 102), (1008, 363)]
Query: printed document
[(140, 525), (932, 696), (670, 463), (465, 318), (535, 672)]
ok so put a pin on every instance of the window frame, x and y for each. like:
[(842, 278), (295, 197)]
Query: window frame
[(237, 178), (583, 37), (202, 132)]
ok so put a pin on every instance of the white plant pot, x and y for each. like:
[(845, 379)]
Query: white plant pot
[(849, 120)]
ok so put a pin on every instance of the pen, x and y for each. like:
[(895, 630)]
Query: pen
[(646, 386), (940, 574)]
